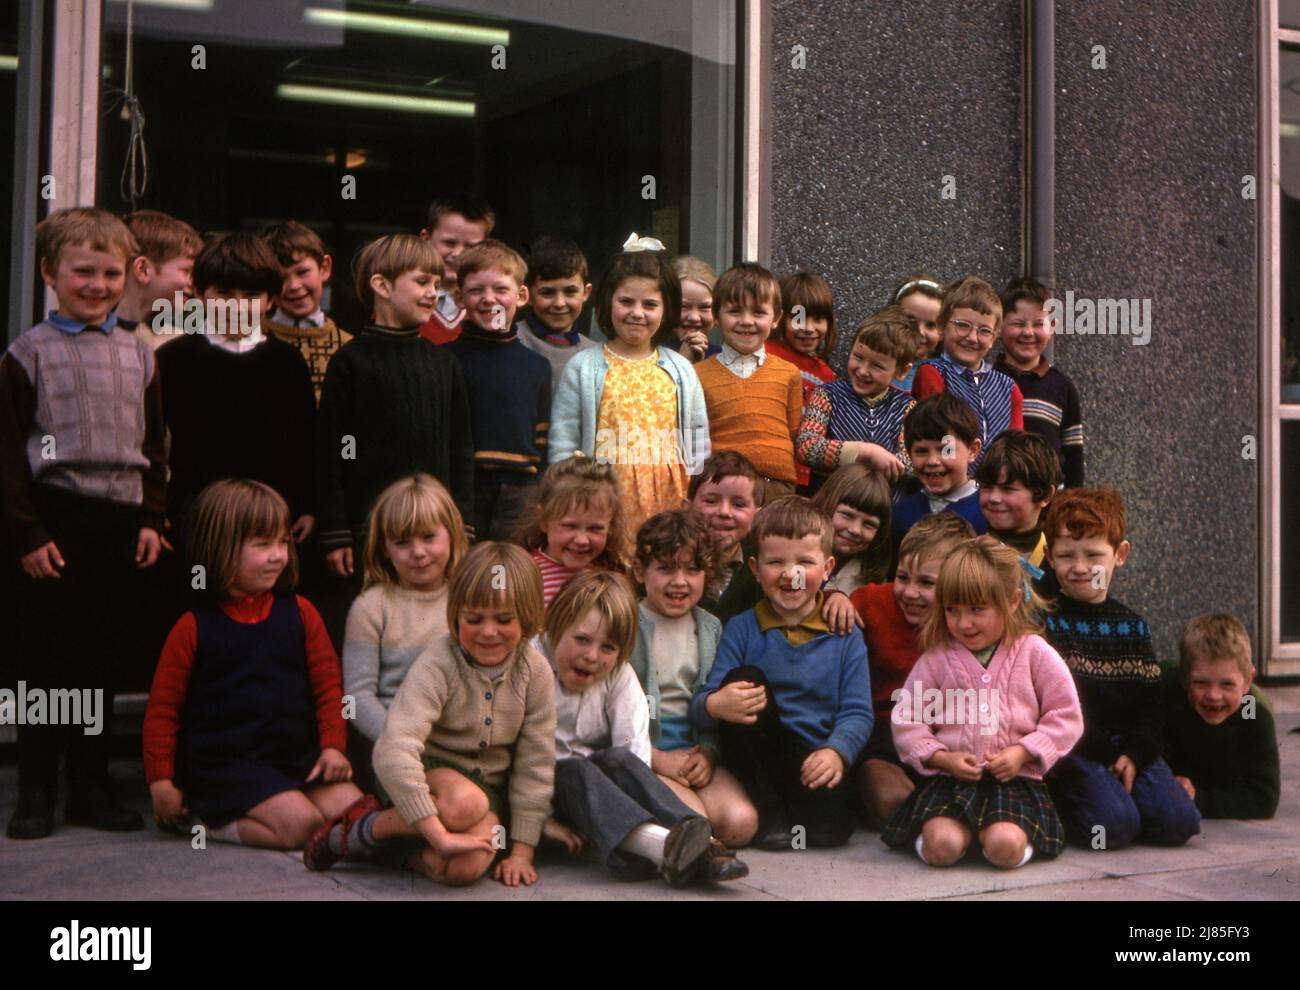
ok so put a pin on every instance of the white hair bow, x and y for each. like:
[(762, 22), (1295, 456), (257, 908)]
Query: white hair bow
[(635, 243)]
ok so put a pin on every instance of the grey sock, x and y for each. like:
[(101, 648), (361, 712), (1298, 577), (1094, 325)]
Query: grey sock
[(361, 841)]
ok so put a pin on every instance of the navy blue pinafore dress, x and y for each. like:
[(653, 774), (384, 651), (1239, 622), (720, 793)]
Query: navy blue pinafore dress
[(248, 728)]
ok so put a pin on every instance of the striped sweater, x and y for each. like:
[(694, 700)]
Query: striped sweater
[(757, 416), (838, 423), (1051, 409), (994, 396), (813, 371)]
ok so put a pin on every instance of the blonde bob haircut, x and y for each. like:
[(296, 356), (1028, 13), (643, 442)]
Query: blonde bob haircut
[(578, 483), (411, 507), (393, 256), (606, 591), (982, 571), (229, 513), (497, 575)]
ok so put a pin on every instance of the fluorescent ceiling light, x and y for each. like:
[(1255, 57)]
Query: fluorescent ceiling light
[(378, 101), (8, 63), (174, 4), (386, 24)]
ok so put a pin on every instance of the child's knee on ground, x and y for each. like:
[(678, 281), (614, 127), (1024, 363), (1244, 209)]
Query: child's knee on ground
[(461, 803), (944, 841), (285, 821), (884, 789), (1004, 844)]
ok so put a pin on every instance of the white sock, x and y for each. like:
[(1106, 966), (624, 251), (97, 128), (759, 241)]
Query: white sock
[(646, 841), (920, 841), (226, 833)]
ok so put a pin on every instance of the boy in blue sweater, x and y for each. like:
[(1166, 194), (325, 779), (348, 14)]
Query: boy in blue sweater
[(509, 387), (790, 701), (942, 437)]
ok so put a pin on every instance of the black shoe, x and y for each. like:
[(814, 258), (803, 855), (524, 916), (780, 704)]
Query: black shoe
[(685, 849), (95, 806), (721, 864), (34, 816), (774, 836)]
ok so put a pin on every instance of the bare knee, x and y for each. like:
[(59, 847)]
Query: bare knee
[(463, 809), (943, 841), (1004, 844), (737, 825), (463, 870)]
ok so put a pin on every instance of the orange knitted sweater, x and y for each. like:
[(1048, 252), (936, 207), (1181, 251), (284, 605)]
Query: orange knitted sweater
[(757, 416)]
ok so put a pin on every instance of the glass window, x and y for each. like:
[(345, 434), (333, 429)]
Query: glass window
[(8, 135), (591, 120), (1289, 238), (1288, 14), (1288, 508)]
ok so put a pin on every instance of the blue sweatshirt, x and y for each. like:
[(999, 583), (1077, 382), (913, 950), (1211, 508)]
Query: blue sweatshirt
[(821, 689)]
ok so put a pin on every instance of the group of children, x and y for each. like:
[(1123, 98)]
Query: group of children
[(647, 596)]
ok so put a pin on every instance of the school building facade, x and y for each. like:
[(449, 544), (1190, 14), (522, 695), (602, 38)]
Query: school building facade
[(1139, 157)]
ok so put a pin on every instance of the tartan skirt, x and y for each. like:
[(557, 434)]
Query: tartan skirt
[(1021, 801)]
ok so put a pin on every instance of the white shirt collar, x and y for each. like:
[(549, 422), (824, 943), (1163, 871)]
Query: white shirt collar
[(940, 502), (446, 305), (741, 365), (236, 343), (316, 319)]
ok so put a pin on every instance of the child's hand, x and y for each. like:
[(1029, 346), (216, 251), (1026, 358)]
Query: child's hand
[(961, 765), (1125, 770), (517, 867), (695, 344), (302, 527), (698, 768), (822, 768), (739, 702), (669, 762), (838, 613), (43, 562), (340, 561), (331, 766), (1007, 763), (564, 835), (1188, 786), (168, 803), (448, 844), (877, 457), (147, 547)]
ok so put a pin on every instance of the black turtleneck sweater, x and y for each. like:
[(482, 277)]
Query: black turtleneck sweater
[(405, 406), (509, 397)]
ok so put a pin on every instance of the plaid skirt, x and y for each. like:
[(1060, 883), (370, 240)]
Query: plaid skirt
[(1021, 801)]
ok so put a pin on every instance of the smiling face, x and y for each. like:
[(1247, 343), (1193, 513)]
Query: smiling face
[(304, 283), (420, 560), (262, 559), (247, 316), (558, 302), (490, 298), (88, 283), (578, 536), (636, 310), (489, 634), (968, 335), (939, 474), (1025, 333), (791, 572), (672, 587), (728, 506), (914, 584), (747, 323), (926, 311), (697, 308), (1084, 567), (407, 301), (1215, 688), (808, 339), (452, 235), (586, 653), (854, 530), (165, 280), (870, 371), (1009, 506), (976, 627)]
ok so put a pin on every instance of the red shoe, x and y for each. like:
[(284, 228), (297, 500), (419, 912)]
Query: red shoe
[(316, 854)]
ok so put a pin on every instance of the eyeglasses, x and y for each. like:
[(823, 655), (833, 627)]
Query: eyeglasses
[(964, 329)]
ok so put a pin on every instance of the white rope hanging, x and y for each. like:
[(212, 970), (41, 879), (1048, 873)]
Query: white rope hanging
[(135, 169)]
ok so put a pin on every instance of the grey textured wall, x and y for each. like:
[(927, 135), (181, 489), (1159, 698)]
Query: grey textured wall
[(1150, 155), (894, 97)]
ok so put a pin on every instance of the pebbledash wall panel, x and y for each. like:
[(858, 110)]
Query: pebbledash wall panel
[(1150, 155), (1151, 151), (893, 98)]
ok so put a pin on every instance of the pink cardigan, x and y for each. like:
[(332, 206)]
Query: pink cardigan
[(1025, 696)]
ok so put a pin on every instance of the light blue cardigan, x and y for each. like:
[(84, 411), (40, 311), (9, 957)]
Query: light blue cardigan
[(577, 402), (708, 631)]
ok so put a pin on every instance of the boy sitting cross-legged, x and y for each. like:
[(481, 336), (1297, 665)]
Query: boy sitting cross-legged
[(790, 701), (1219, 732), (1114, 787)]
